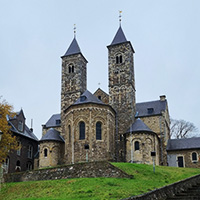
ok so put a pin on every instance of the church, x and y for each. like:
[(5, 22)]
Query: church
[(101, 126)]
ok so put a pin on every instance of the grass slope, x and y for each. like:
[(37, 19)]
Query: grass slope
[(98, 188)]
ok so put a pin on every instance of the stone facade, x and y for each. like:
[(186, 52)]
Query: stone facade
[(148, 142), (90, 114), (187, 158), (109, 115), (51, 153)]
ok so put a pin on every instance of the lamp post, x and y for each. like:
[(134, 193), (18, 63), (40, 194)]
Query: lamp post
[(153, 154)]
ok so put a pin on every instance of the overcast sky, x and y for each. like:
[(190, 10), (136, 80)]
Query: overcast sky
[(34, 34)]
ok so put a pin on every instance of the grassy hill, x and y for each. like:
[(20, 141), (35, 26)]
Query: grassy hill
[(98, 188)]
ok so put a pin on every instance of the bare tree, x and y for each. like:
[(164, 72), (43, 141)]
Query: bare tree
[(182, 129)]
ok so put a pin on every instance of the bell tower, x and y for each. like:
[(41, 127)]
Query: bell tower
[(121, 85), (74, 77)]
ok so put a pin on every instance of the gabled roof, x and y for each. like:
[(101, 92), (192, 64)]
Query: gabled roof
[(158, 107), (119, 37), (139, 126), (88, 97), (52, 121), (27, 132), (186, 143), (73, 48), (52, 135)]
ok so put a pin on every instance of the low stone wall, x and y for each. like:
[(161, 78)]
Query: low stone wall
[(169, 190), (80, 170)]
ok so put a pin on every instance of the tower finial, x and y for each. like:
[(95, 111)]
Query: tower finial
[(120, 17), (75, 30)]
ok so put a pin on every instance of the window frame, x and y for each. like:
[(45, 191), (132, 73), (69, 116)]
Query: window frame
[(81, 130), (30, 151), (136, 148), (193, 160), (99, 130)]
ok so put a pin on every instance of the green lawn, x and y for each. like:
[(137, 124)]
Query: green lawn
[(98, 188)]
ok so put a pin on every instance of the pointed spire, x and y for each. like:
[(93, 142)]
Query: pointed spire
[(73, 48), (119, 37)]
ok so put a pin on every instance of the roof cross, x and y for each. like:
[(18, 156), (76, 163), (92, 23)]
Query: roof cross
[(74, 30)]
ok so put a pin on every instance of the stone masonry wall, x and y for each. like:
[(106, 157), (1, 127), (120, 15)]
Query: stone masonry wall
[(80, 170), (90, 114)]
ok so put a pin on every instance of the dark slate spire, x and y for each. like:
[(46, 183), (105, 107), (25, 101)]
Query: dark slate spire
[(119, 37), (73, 48)]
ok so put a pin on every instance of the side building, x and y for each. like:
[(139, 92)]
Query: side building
[(23, 159)]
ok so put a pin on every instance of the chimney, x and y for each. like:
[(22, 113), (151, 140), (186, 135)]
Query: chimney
[(162, 98)]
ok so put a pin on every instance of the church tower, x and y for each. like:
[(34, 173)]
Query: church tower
[(74, 80), (121, 86)]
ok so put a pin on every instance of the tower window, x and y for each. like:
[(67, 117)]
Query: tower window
[(137, 146), (98, 131), (119, 59), (81, 131), (71, 68)]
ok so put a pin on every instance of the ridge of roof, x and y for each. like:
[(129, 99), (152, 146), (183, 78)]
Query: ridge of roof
[(119, 37), (184, 143)]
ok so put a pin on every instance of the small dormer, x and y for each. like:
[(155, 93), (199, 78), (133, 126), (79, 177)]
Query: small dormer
[(150, 110), (20, 121)]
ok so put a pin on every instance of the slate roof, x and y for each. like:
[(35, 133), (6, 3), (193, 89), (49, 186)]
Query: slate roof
[(158, 107), (139, 126), (73, 48), (119, 37), (186, 143), (52, 121), (52, 135), (27, 132), (89, 98)]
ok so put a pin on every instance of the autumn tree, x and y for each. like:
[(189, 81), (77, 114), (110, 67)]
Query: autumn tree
[(8, 142), (182, 129)]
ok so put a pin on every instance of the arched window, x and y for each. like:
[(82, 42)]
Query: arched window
[(81, 131), (69, 130), (119, 59), (29, 166), (45, 152), (194, 157), (137, 146), (98, 130)]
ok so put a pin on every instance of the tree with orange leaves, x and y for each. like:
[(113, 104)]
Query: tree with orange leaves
[(8, 142)]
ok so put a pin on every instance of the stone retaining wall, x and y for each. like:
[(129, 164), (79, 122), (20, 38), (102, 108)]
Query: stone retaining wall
[(80, 170), (168, 191)]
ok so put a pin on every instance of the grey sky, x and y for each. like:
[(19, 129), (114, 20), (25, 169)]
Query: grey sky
[(164, 34)]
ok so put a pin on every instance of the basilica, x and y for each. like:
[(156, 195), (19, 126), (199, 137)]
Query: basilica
[(99, 126)]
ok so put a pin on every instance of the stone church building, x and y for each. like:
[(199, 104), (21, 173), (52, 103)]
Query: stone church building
[(101, 126)]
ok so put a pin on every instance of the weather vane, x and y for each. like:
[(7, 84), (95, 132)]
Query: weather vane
[(120, 17), (99, 84), (74, 30)]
